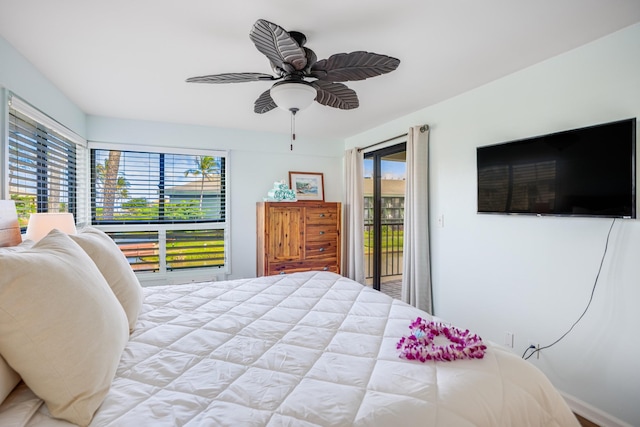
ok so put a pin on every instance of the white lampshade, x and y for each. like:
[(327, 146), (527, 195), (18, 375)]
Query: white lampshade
[(40, 224), (293, 95)]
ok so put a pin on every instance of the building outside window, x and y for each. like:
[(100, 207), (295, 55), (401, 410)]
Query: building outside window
[(392, 200)]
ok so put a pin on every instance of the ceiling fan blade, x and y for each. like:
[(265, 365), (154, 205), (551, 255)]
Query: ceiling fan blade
[(264, 103), (360, 65), (231, 78), (277, 44), (312, 58), (335, 95)]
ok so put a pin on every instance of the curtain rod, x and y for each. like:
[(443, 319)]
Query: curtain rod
[(423, 129)]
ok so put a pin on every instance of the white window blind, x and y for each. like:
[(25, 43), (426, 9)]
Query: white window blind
[(43, 162)]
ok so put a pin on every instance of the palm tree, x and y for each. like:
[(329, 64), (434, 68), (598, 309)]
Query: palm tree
[(114, 186), (206, 167)]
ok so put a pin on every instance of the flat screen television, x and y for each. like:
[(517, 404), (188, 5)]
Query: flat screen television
[(589, 171)]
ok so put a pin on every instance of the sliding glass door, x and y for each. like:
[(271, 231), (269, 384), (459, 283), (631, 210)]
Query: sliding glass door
[(384, 187)]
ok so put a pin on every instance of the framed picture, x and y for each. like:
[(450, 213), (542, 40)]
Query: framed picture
[(307, 185)]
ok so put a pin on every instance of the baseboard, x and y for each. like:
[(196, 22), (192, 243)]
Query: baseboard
[(592, 413), (180, 277)]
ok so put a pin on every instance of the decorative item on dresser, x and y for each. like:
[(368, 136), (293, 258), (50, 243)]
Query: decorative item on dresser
[(298, 236), (307, 185)]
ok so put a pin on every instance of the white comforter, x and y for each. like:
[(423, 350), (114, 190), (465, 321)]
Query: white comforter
[(304, 349)]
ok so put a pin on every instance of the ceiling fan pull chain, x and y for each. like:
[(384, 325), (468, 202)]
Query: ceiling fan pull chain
[(293, 126)]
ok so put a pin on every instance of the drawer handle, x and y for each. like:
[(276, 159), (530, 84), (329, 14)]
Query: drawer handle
[(322, 232), (321, 215), (321, 249)]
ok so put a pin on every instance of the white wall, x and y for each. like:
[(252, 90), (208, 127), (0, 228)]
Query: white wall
[(23, 79), (256, 161), (533, 276)]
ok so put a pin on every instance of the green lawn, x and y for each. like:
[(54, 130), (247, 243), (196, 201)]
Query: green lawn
[(390, 241)]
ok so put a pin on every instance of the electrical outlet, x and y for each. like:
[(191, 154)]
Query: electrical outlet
[(508, 339), (535, 345)]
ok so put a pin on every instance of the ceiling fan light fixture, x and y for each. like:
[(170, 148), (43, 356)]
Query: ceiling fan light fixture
[(293, 96)]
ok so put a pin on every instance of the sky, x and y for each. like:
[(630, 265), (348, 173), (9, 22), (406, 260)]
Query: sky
[(390, 169)]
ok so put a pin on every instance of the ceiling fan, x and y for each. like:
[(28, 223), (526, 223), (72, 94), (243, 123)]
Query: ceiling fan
[(300, 77)]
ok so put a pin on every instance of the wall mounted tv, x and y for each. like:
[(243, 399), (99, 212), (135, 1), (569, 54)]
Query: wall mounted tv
[(589, 171)]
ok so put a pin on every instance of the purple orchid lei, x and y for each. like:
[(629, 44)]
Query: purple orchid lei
[(420, 346)]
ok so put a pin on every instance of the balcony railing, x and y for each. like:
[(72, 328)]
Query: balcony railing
[(391, 240)]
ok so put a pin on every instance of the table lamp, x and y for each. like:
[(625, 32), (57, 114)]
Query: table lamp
[(40, 224)]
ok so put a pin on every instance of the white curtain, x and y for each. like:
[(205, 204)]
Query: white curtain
[(353, 229), (416, 274)]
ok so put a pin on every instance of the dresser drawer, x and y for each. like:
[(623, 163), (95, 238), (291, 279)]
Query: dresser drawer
[(321, 215), (310, 265), (321, 249), (314, 233)]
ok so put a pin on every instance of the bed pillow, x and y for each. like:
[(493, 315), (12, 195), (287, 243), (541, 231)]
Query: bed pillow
[(115, 268), (62, 328), (9, 378), (26, 244)]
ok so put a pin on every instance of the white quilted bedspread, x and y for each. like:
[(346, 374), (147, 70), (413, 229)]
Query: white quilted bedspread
[(306, 349)]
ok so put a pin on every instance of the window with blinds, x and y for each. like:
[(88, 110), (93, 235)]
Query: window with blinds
[(138, 187), (166, 211), (42, 167)]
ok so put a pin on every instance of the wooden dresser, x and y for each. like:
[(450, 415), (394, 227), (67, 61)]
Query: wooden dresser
[(298, 236)]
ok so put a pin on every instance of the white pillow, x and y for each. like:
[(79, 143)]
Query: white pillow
[(62, 328), (26, 244), (9, 378), (115, 268)]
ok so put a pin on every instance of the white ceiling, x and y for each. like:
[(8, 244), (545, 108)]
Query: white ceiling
[(130, 58)]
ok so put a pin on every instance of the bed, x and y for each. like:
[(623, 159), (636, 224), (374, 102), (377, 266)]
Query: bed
[(305, 349)]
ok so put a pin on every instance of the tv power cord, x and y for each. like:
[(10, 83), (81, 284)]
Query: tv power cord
[(527, 354)]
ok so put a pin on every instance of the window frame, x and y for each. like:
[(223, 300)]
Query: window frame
[(49, 130), (163, 275)]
